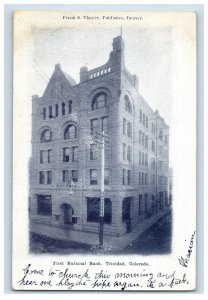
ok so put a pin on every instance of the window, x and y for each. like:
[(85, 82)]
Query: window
[(93, 210), (146, 160), (124, 177), (93, 125), (93, 177), (49, 155), (93, 152), (70, 132), (140, 158), (140, 116), (124, 151), (129, 177), (70, 106), (129, 129), (140, 137), (153, 146), (41, 177), (50, 112), (143, 139), (129, 158), (46, 136), (107, 211), (105, 124), (63, 108), (66, 154), (49, 177), (41, 156), (140, 178), (75, 153), (74, 175), (106, 177), (128, 106), (56, 110), (126, 209), (146, 141), (144, 118), (99, 101), (65, 176), (44, 205), (152, 128), (146, 122), (124, 126), (145, 178), (166, 140), (44, 113)]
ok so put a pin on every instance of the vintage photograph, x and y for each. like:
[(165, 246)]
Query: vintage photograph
[(99, 170), (104, 159)]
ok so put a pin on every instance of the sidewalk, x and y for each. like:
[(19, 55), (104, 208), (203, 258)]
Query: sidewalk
[(110, 242)]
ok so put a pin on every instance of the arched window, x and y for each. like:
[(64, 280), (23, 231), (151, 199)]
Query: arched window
[(70, 132), (46, 136), (99, 101), (128, 106)]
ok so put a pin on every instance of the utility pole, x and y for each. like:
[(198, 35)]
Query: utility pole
[(102, 187)]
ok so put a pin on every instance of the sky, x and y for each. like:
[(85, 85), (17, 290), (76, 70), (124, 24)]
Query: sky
[(147, 54)]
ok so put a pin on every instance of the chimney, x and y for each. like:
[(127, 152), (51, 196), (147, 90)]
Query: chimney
[(117, 55), (83, 74), (57, 66), (35, 97), (118, 43)]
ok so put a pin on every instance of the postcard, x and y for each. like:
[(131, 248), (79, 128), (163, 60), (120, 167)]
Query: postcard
[(104, 151)]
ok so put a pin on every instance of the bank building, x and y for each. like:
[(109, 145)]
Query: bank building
[(69, 123)]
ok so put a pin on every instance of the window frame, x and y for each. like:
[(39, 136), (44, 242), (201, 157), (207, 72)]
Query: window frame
[(93, 152), (67, 134), (93, 180), (49, 177), (66, 158), (44, 205), (43, 138), (95, 103)]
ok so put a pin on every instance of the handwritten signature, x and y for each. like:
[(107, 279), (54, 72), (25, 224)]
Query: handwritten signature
[(183, 261)]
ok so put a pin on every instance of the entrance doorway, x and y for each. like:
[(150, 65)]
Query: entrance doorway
[(67, 213), (126, 213)]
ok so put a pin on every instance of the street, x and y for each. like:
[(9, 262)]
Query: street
[(155, 240)]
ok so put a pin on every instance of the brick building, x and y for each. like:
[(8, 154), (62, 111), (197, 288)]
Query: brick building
[(65, 164)]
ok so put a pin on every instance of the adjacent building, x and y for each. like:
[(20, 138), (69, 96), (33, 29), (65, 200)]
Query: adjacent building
[(65, 166)]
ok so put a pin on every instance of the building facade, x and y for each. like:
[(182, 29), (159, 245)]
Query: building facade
[(65, 166)]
